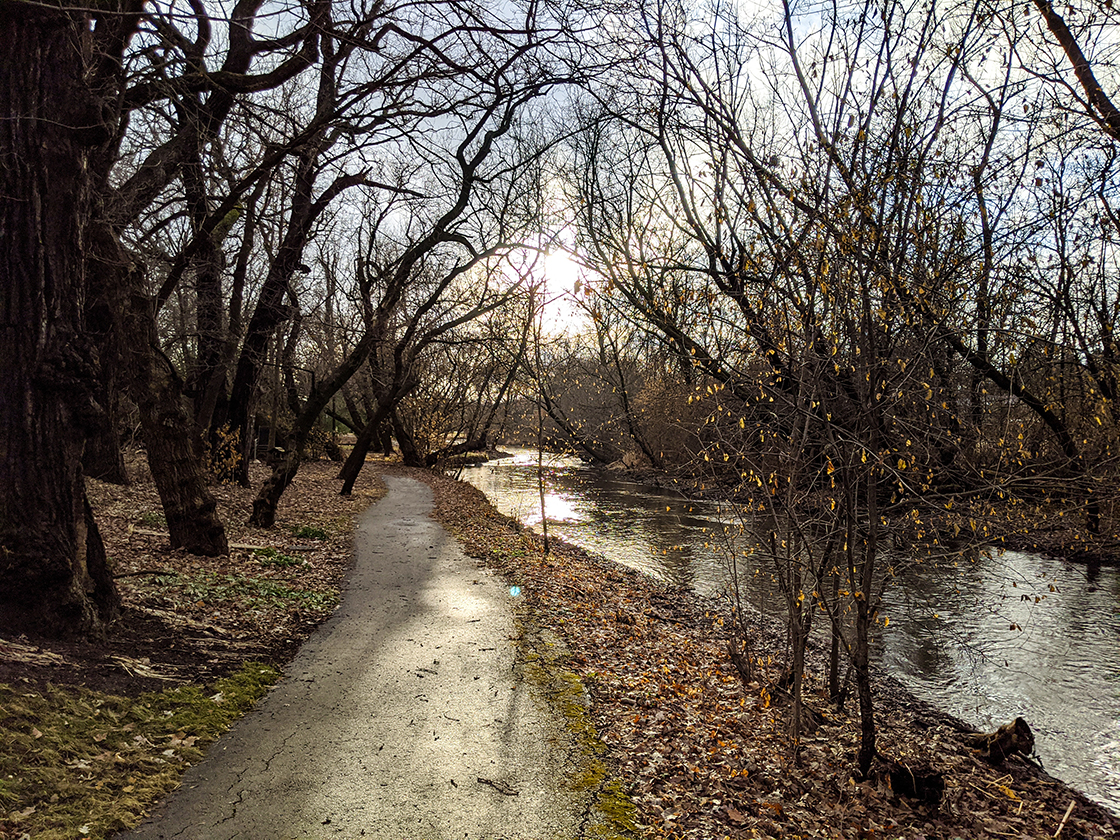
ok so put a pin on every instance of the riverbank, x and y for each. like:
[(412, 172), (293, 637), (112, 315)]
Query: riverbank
[(986, 636), (704, 756), (697, 754)]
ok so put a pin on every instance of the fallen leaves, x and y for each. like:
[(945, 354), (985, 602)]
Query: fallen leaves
[(703, 757)]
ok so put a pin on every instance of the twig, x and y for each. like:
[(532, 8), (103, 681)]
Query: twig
[(500, 787), (160, 572), (984, 791), (1062, 824), (146, 532)]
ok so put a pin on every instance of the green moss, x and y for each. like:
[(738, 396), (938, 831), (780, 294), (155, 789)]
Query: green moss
[(77, 763), (153, 519), (542, 656)]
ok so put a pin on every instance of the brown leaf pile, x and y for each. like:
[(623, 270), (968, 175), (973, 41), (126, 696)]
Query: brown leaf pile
[(701, 754)]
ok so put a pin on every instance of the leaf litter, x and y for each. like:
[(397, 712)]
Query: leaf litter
[(698, 753), (701, 755)]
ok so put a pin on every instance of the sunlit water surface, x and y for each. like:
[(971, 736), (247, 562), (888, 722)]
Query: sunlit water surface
[(1000, 636)]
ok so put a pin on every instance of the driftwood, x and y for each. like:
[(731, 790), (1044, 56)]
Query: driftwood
[(1010, 739)]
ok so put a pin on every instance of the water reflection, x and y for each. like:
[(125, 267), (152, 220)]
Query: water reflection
[(657, 532), (1016, 634), (989, 639)]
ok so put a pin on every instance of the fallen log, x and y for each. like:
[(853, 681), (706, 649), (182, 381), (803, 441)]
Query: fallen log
[(1010, 739)]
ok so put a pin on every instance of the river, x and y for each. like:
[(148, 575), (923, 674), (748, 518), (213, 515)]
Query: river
[(1007, 634)]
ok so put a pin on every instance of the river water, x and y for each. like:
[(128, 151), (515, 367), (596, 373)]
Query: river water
[(1001, 636)]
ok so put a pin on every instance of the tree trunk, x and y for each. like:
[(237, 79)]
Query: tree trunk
[(1009, 739), (307, 415), (53, 576), (103, 458), (862, 666), (271, 311), (410, 455), (207, 265), (834, 646), (171, 439), (353, 466), (385, 435), (800, 624), (268, 497)]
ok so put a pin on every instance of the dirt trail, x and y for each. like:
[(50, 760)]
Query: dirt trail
[(402, 717)]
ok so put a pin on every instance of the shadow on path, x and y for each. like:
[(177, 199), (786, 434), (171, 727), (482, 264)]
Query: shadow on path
[(391, 714)]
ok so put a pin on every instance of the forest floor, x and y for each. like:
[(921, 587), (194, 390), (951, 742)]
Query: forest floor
[(93, 733)]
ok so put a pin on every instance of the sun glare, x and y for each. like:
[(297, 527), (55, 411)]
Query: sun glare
[(562, 315), (561, 273)]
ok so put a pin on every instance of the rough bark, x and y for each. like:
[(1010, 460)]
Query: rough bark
[(171, 439), (209, 302), (53, 577), (103, 458)]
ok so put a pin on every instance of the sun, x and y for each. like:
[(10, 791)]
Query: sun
[(562, 280), (561, 274)]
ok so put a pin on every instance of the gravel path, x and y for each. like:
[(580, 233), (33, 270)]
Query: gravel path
[(402, 717)]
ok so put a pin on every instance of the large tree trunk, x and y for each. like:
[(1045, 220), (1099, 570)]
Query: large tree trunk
[(103, 458), (128, 338), (171, 439), (53, 577)]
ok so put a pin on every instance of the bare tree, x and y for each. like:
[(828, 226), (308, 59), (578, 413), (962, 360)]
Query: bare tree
[(824, 226)]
